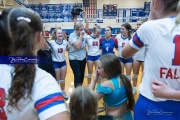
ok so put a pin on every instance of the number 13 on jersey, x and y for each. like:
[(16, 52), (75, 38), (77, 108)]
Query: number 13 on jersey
[(2, 104), (176, 60)]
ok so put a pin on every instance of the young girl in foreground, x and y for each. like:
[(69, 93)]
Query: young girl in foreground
[(83, 104), (116, 91)]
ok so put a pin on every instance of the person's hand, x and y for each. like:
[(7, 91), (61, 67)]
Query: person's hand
[(84, 14), (82, 34), (161, 90), (96, 75)]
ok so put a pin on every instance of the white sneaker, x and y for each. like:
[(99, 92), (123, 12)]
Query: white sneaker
[(64, 95)]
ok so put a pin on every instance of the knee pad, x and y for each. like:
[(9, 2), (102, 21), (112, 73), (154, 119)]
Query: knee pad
[(60, 81), (129, 77), (135, 76), (89, 75)]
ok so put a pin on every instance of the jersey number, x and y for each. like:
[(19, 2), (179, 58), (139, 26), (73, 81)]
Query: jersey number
[(123, 44), (95, 43), (2, 104), (176, 60), (60, 50)]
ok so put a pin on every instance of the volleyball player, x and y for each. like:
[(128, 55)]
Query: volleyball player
[(138, 59), (59, 46), (108, 43), (93, 49), (123, 38), (159, 97), (26, 91)]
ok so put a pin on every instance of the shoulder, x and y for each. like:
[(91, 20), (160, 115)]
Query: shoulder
[(106, 83), (114, 39), (51, 41), (65, 42), (148, 26), (72, 35), (118, 36), (43, 78), (101, 39)]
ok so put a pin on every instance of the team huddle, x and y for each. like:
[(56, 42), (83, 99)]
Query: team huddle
[(31, 92)]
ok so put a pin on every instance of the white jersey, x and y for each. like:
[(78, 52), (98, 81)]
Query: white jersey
[(121, 42), (162, 54), (58, 53), (46, 98), (93, 45)]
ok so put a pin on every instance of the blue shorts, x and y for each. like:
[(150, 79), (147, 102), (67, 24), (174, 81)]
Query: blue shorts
[(59, 64), (146, 109), (93, 58), (130, 60)]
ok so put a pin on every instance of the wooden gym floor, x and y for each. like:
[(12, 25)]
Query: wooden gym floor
[(69, 84)]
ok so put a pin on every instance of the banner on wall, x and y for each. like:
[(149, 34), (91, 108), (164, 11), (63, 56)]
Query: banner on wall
[(110, 10), (54, 12), (62, 12)]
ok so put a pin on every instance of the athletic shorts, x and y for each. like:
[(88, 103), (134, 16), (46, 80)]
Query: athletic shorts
[(146, 109), (138, 61), (93, 58), (130, 60), (57, 65)]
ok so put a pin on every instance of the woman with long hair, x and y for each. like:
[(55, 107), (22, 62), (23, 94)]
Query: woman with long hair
[(115, 89), (59, 46), (26, 91), (159, 97)]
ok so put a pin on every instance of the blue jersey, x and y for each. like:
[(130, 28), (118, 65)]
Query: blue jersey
[(107, 46)]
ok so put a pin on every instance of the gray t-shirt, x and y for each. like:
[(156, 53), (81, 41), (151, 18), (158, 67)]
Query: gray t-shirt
[(75, 54)]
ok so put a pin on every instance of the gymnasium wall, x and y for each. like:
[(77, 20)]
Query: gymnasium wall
[(106, 22)]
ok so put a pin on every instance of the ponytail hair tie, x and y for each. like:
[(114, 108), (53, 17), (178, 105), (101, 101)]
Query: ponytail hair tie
[(25, 19)]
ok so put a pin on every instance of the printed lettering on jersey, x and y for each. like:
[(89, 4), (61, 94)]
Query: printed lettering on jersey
[(2, 104), (169, 73), (83, 44), (94, 43), (60, 50), (176, 60), (107, 45), (123, 44)]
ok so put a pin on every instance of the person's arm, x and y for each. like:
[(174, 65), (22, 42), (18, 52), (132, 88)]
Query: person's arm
[(94, 81), (60, 116), (161, 90), (78, 43), (93, 84), (128, 51), (50, 103), (86, 21), (75, 20)]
